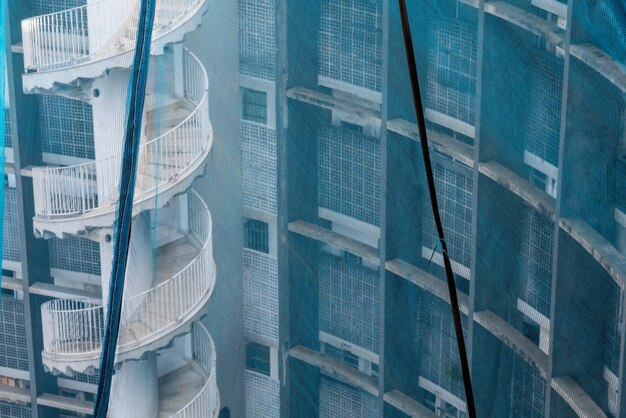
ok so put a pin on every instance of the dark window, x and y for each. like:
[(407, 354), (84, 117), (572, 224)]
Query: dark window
[(257, 235), (258, 358), (531, 330), (254, 106)]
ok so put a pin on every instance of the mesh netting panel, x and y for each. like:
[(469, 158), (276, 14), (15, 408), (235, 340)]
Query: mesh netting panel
[(75, 254), (451, 77), (260, 294), (257, 45), (15, 411), (349, 302), (340, 400), (10, 241), (349, 173), (350, 42), (258, 162), (13, 352), (66, 127), (439, 361), (7, 129), (262, 397)]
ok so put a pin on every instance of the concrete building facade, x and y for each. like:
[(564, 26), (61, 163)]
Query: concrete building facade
[(331, 299)]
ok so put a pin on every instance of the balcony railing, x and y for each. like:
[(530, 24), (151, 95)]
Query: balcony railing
[(75, 328), (206, 402), (92, 32), (92, 187)]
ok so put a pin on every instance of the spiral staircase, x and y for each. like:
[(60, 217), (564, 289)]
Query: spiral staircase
[(77, 48)]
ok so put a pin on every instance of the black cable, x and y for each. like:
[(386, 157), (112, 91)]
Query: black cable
[(421, 124)]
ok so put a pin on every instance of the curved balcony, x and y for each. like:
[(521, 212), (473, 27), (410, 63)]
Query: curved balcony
[(73, 330), (191, 391), (64, 46), (73, 199)]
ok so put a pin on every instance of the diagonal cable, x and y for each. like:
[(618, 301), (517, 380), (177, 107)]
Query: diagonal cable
[(421, 124), (124, 215)]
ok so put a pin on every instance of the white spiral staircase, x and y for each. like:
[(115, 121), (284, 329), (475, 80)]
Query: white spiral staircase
[(86, 41), (73, 330), (67, 199), (72, 48)]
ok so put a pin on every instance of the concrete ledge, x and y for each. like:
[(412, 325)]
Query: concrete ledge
[(14, 394), (408, 405), (426, 281), (508, 179), (336, 369), (600, 249), (342, 242), (329, 102), (576, 398), (443, 144), (597, 59), (65, 403), (513, 339), (527, 21), (62, 292)]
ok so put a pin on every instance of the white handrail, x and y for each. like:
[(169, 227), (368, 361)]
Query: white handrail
[(73, 190), (206, 401), (76, 327), (68, 37)]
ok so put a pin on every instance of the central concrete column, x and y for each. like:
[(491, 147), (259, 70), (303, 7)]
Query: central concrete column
[(135, 391)]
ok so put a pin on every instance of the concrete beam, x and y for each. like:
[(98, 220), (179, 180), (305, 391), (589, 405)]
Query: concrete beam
[(600, 249), (443, 144), (508, 179), (336, 369), (335, 239)]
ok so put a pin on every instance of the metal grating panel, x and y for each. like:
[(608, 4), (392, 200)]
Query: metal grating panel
[(349, 173), (350, 42), (91, 379), (256, 235), (9, 410), (451, 76), (454, 193), (257, 46), (75, 254), (8, 141), (66, 127), (536, 267), (528, 391), (13, 352), (260, 294), (41, 7), (544, 119), (349, 302), (612, 336), (439, 359), (10, 232), (258, 165), (338, 400), (262, 396)]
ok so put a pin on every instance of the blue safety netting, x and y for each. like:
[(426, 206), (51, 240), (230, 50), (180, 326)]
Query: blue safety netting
[(218, 208)]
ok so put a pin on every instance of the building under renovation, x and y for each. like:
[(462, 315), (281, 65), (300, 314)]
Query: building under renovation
[(284, 259)]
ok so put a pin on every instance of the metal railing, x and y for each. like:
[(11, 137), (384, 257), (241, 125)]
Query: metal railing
[(90, 187), (70, 37), (75, 328), (206, 402)]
